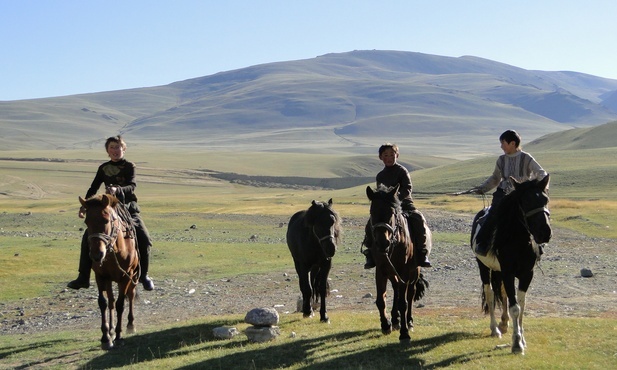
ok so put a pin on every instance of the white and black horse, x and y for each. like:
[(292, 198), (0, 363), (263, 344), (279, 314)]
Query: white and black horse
[(312, 237), (523, 225)]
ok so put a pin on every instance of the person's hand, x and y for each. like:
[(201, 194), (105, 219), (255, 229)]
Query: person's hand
[(476, 191), (81, 213), (111, 190)]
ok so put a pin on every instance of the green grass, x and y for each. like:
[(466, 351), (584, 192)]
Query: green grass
[(352, 341), (40, 233)]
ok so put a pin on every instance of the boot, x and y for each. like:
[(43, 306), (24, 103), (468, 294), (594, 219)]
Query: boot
[(85, 266), (418, 230), (424, 262), (370, 262), (144, 263)]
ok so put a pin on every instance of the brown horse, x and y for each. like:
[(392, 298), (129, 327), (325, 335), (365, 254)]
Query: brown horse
[(392, 250), (114, 259)]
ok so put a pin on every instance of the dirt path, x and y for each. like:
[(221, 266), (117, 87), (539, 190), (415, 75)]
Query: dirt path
[(557, 290)]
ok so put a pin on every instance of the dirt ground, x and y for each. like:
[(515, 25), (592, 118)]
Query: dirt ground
[(558, 289)]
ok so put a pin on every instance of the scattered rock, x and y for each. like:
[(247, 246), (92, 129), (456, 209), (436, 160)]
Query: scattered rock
[(585, 272), (260, 334), (225, 332), (262, 317)]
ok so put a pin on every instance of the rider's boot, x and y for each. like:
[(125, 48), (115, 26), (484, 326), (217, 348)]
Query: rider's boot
[(144, 263), (85, 266), (417, 226)]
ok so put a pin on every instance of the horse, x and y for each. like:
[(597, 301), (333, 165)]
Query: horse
[(523, 225), (392, 250), (312, 238), (114, 259)]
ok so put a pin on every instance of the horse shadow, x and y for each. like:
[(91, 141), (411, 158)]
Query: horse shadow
[(196, 338)]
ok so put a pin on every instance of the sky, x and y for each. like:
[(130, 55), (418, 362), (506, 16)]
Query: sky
[(64, 47)]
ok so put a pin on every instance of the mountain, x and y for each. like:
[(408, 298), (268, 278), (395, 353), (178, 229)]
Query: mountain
[(344, 102)]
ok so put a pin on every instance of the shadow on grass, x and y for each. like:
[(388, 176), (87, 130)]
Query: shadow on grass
[(333, 351)]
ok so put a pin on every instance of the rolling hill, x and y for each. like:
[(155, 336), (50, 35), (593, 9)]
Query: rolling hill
[(336, 103)]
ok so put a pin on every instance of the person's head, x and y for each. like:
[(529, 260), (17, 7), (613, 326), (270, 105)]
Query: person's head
[(115, 147), (510, 141), (388, 153)]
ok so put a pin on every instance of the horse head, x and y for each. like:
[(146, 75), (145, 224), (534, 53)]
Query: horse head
[(101, 221), (533, 202), (386, 217), (325, 223)]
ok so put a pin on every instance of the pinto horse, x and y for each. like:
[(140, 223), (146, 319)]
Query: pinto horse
[(114, 259), (312, 237), (392, 250), (523, 223)]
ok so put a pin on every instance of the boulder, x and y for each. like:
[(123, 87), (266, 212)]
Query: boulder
[(262, 317)]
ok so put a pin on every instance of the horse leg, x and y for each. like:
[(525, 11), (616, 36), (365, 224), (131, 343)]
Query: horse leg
[(523, 284), (395, 312), (488, 296), (322, 277), (505, 317), (305, 288), (106, 340), (402, 307), (130, 328), (111, 309), (515, 313), (119, 312), (381, 285)]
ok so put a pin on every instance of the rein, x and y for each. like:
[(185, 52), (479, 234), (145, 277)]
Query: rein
[(390, 249)]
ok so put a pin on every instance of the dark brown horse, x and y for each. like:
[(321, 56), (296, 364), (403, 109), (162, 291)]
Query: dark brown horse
[(114, 259), (312, 237), (523, 224), (392, 250)]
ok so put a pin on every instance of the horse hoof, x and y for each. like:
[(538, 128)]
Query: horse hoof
[(396, 326), (325, 321), (119, 342), (107, 346), (404, 340), (131, 329)]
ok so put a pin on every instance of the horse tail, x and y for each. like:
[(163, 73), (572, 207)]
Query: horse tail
[(421, 288)]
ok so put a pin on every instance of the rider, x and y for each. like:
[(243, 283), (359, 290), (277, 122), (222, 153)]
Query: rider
[(513, 163), (395, 174), (118, 175)]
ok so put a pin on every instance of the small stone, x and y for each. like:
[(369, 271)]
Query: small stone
[(262, 317), (260, 334), (225, 332), (585, 272)]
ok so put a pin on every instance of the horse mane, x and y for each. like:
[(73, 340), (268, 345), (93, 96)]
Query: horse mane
[(383, 192), (508, 212), (316, 209), (97, 199)]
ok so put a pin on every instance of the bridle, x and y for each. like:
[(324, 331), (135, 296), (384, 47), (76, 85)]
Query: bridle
[(109, 239)]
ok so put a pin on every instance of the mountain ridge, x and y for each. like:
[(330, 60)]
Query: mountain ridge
[(348, 102)]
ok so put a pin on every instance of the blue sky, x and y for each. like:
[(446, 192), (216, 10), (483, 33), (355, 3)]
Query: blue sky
[(62, 47)]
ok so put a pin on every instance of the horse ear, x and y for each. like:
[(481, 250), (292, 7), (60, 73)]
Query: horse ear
[(369, 192), (82, 201), (330, 202), (105, 200), (544, 182), (394, 190)]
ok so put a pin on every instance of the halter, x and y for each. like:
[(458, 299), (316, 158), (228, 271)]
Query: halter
[(387, 226), (108, 239), (322, 238)]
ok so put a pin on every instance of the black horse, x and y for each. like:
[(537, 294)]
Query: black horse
[(523, 224), (392, 249), (312, 236)]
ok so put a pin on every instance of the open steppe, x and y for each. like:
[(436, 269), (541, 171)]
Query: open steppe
[(216, 272)]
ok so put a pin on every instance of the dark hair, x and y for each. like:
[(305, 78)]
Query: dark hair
[(115, 139), (510, 136), (385, 146)]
